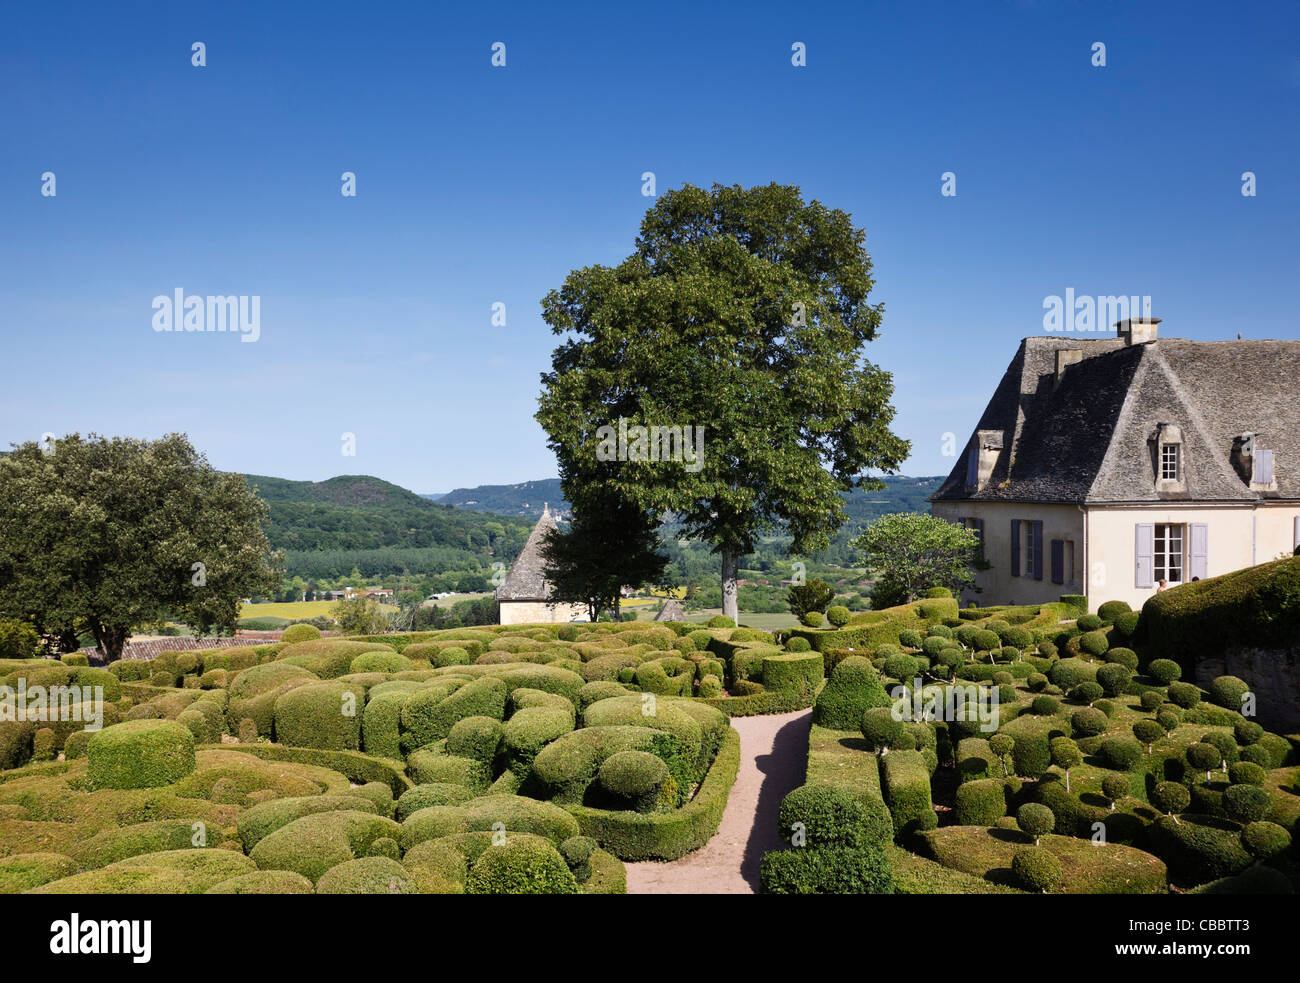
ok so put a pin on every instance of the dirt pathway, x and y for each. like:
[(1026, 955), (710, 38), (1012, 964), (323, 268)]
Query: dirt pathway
[(773, 755)]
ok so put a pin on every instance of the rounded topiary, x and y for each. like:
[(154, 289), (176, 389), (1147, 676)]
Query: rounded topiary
[(797, 643), (1204, 757), (1044, 705), (720, 621), (300, 633), (1114, 678), (1151, 700), (1246, 803), (1124, 656), (881, 730), (520, 866), (380, 662), (1148, 732), (140, 754), (710, 687), (1247, 732), (1088, 622), (1094, 643), (1108, 611), (1036, 820), (1184, 695), (475, 737), (1171, 798), (1036, 869), (1088, 722), (1247, 773), (1228, 691), (367, 875), (637, 776), (1115, 788), (1256, 754), (1036, 682), (838, 615), (820, 814), (1126, 624), (577, 851), (1265, 840), (1169, 718), (900, 667), (909, 638), (1165, 671), (940, 631), (1120, 753), (854, 687), (813, 619), (985, 640), (981, 802), (1087, 693)]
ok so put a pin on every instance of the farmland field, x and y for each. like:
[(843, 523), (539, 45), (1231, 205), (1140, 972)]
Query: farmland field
[(294, 610)]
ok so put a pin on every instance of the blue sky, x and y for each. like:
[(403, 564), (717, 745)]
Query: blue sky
[(478, 184)]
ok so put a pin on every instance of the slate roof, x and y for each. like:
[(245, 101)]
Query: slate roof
[(1088, 440), (672, 611), (526, 580)]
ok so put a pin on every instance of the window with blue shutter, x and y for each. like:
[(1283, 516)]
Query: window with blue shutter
[(972, 467), (1058, 561), (1296, 534), (1145, 552), (1036, 548), (1200, 549), (1015, 547)]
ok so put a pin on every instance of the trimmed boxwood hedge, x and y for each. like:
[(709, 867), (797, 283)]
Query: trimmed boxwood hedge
[(905, 780), (666, 836), (853, 688), (826, 870), (140, 754)]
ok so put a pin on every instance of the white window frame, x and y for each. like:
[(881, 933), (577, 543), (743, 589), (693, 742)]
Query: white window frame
[(1171, 454), (1169, 553)]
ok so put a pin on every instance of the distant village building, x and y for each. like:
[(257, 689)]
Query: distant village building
[(525, 596), (1112, 467)]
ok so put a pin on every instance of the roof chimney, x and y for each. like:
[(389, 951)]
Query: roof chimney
[(1066, 357), (1137, 330)]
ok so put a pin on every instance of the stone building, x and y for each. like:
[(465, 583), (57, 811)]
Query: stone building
[(525, 596), (1104, 466)]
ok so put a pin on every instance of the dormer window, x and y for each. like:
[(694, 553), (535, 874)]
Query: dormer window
[(1170, 462), (1262, 477)]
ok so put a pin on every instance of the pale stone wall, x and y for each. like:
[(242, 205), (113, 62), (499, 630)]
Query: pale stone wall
[(997, 585), (1238, 536), (539, 612)]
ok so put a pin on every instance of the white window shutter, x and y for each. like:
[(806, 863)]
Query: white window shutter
[(1199, 554)]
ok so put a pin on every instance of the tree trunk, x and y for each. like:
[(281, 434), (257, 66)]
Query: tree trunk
[(110, 641), (730, 590)]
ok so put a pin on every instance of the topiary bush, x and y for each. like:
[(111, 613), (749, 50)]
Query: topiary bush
[(1088, 722), (821, 814), (299, 633), (1228, 691), (1036, 820), (521, 867), (980, 803), (1036, 869), (140, 754), (1184, 695), (838, 615), (826, 870)]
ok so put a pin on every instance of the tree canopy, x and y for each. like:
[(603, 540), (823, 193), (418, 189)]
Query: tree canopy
[(909, 552), (103, 535), (739, 319)]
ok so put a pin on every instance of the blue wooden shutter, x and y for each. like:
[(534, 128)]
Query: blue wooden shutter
[(972, 467), (1036, 548), (1145, 550), (1200, 550), (1263, 468), (1296, 535), (1058, 561), (979, 531), (1015, 547)]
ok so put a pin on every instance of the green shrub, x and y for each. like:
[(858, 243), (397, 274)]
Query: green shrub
[(1228, 691), (853, 688), (367, 875), (1036, 869), (881, 729), (1120, 753), (253, 692), (838, 615), (1204, 757), (1088, 622), (426, 796), (1044, 706), (794, 673), (577, 852), (316, 843), (826, 870), (1088, 722), (812, 619), (1265, 840), (140, 754), (264, 818), (478, 738), (905, 781), (428, 714), (832, 815), (720, 621), (638, 778), (299, 633), (1246, 803), (1036, 820), (324, 715), (1094, 643), (1108, 611), (380, 662), (521, 867), (30, 870), (981, 802), (1199, 848), (797, 644), (1171, 798)]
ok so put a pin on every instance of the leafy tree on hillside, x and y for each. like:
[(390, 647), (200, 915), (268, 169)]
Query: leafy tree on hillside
[(743, 312), (108, 534), (910, 552)]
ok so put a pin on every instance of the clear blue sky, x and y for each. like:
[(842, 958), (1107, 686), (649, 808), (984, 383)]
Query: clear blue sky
[(478, 185)]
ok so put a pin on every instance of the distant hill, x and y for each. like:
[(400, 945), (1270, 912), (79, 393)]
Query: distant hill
[(329, 527), (524, 499), (900, 494)]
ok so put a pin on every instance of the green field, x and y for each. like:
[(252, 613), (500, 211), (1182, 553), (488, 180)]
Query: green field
[(295, 610)]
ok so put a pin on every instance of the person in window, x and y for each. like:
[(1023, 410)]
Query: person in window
[(1161, 585), (1195, 579)]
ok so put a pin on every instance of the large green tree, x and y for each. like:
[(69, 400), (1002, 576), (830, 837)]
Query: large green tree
[(909, 552), (743, 311), (107, 534), (609, 545)]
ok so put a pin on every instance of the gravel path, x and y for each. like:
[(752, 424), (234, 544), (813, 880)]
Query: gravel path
[(773, 754)]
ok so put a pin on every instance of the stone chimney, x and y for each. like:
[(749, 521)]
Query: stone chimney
[(983, 454), (1066, 357), (1137, 330)]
